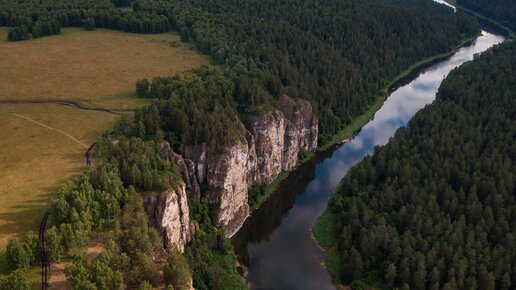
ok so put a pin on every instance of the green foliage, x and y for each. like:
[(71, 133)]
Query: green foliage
[(77, 13), (22, 253), (145, 285), (18, 33), (177, 271), (433, 208), (316, 52), (140, 163), (142, 88), (147, 270), (101, 275), (88, 24), (259, 193), (44, 27), (17, 255), (192, 110), (336, 54), (14, 281), (38, 28), (210, 255), (500, 10), (53, 242)]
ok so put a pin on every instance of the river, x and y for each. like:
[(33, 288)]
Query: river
[(275, 243)]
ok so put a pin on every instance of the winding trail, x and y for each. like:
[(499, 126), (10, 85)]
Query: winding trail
[(69, 103), (45, 265), (53, 129)]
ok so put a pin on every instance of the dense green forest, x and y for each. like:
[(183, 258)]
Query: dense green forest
[(106, 200), (339, 55), (503, 11), (336, 54), (435, 207)]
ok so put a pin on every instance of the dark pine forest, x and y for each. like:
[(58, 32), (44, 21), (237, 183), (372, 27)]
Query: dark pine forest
[(435, 208), (339, 55)]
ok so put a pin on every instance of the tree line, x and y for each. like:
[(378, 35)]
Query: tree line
[(339, 55), (46, 17), (500, 10), (336, 54), (108, 199), (435, 207)]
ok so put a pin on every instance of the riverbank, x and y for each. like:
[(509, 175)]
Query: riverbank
[(507, 31), (352, 129), (324, 233), (348, 132)]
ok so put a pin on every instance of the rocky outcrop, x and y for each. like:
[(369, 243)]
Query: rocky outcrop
[(169, 212), (270, 144), (186, 169)]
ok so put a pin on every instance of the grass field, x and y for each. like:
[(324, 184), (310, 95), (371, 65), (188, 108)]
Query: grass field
[(35, 160), (42, 145), (98, 67)]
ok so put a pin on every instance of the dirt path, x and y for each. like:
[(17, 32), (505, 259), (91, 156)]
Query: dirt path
[(53, 129), (69, 103)]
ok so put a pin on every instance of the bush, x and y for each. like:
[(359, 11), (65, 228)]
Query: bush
[(142, 88), (14, 281), (17, 256), (177, 272), (18, 33), (88, 24), (147, 270)]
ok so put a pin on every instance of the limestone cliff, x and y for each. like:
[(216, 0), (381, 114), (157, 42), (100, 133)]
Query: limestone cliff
[(270, 144), (169, 212)]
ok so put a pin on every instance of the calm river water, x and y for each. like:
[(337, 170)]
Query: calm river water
[(275, 242)]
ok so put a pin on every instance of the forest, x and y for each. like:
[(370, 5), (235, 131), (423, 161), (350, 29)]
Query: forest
[(503, 11), (339, 55), (107, 200), (435, 207)]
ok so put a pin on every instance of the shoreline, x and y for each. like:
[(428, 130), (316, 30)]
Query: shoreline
[(507, 31), (351, 130), (322, 228)]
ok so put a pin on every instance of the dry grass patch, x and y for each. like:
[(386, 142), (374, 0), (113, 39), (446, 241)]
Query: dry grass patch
[(35, 160), (3, 34), (97, 67), (42, 145)]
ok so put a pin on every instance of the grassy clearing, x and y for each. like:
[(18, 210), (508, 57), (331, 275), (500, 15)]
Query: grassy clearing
[(264, 191), (35, 160), (324, 233), (43, 144), (97, 67), (323, 230), (350, 130), (3, 34)]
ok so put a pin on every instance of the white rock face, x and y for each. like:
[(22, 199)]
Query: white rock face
[(170, 213), (270, 144), (227, 172)]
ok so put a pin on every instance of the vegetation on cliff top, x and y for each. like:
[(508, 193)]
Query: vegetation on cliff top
[(316, 51), (433, 209)]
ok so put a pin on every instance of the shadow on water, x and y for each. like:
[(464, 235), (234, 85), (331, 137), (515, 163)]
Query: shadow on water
[(275, 241), (262, 222)]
